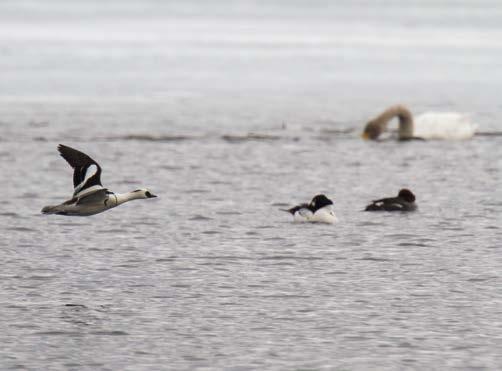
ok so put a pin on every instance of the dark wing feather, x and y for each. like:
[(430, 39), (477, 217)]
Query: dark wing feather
[(373, 207), (384, 200), (94, 198), (380, 204), (80, 163), (293, 210), (389, 204)]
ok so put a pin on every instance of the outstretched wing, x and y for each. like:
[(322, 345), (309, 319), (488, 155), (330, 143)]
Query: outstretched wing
[(86, 171)]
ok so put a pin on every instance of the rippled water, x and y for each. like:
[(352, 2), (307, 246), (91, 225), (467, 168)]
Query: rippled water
[(211, 275)]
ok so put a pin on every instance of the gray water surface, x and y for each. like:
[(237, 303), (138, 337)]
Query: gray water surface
[(211, 275)]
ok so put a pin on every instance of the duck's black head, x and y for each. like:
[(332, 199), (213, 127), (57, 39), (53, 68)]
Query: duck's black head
[(406, 195), (320, 201)]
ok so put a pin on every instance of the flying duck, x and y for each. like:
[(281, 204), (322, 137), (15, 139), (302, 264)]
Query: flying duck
[(430, 125), (405, 201), (320, 210), (89, 196)]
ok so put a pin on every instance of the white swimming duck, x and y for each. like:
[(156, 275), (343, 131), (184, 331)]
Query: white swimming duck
[(429, 125), (319, 210), (89, 196)]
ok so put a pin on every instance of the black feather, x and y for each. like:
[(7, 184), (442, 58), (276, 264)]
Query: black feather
[(80, 162)]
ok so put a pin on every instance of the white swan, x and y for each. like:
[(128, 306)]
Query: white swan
[(430, 125)]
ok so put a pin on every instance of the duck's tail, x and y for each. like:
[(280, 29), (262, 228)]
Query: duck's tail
[(47, 210), (286, 210)]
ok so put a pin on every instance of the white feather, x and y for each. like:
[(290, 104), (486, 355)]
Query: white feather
[(302, 215), (323, 215), (91, 170), (443, 125)]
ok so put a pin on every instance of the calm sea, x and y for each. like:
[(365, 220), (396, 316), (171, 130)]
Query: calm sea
[(211, 275)]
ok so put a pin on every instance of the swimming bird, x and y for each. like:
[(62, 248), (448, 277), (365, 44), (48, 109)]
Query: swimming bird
[(431, 125), (320, 210), (405, 201), (89, 196)]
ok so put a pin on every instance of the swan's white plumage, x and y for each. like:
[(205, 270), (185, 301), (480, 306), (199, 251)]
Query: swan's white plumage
[(443, 125)]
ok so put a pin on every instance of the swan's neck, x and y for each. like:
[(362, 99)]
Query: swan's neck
[(405, 120), (125, 197)]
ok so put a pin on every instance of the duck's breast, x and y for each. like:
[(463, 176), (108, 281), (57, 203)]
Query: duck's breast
[(324, 215)]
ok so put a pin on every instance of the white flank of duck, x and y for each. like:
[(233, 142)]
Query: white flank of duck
[(319, 210)]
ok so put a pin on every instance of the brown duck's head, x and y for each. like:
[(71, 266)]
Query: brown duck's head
[(406, 195)]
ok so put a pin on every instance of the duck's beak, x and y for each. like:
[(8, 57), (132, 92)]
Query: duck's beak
[(152, 195), (365, 135)]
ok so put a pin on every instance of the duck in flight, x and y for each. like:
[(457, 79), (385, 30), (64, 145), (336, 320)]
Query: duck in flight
[(89, 196), (405, 201), (319, 210)]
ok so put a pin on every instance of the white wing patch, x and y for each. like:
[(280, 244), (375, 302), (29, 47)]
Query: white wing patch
[(90, 172), (303, 215)]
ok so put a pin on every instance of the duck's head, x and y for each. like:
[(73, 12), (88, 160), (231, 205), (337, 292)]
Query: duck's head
[(320, 201), (143, 193), (372, 130), (406, 195)]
